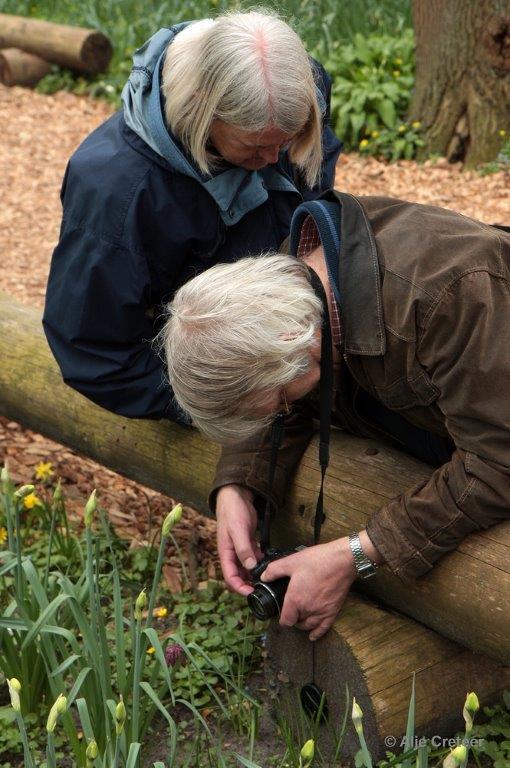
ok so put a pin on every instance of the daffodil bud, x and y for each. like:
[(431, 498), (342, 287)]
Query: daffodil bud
[(459, 754), (14, 689), (58, 708), (25, 490), (90, 508), (91, 753), (171, 519), (4, 477), (307, 751), (357, 716), (472, 704), (120, 716), (57, 493), (140, 605)]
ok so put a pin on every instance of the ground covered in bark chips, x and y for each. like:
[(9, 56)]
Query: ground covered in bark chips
[(38, 134)]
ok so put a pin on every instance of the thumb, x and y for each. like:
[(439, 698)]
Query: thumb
[(245, 551)]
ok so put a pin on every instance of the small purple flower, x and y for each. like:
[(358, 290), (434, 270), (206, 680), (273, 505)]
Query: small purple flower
[(174, 654)]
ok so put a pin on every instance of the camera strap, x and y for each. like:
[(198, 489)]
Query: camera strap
[(325, 406), (326, 387)]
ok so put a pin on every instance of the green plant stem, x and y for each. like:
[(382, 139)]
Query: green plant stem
[(50, 544), (155, 584), (8, 518), (116, 757), (181, 559), (51, 760), (136, 683), (29, 763), (19, 572), (91, 583)]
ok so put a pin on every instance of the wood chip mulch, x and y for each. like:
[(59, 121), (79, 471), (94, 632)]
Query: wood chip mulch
[(39, 133)]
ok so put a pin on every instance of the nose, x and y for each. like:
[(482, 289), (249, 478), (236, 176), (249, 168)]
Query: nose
[(270, 154)]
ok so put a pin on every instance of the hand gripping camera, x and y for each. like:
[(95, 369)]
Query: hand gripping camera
[(266, 600)]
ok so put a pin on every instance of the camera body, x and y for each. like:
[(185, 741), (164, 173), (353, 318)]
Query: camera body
[(267, 598)]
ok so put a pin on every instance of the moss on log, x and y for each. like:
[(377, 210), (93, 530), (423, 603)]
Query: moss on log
[(465, 598), (85, 50)]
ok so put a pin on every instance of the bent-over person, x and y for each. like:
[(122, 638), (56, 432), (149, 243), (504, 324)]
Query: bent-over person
[(418, 299)]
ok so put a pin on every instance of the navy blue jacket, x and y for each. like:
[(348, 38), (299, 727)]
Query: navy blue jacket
[(140, 220)]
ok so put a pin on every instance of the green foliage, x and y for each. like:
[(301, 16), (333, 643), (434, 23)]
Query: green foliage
[(372, 82), (67, 633), (495, 734), (502, 162)]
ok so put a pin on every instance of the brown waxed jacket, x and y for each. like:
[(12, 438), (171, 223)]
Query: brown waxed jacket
[(426, 327)]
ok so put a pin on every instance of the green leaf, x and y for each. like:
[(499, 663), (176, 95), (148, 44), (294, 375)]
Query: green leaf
[(386, 110)]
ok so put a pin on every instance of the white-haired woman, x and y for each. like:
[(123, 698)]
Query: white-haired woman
[(223, 132)]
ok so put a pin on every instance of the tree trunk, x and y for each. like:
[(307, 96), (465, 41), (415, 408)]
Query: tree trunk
[(78, 48), (466, 597), (462, 91), (20, 68)]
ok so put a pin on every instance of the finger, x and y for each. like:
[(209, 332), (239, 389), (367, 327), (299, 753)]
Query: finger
[(234, 575), (290, 613), (277, 570), (321, 630), (245, 549), (311, 622)]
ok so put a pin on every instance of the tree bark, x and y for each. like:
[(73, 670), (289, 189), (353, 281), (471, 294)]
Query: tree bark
[(375, 652), (20, 68), (462, 91), (78, 48), (466, 597)]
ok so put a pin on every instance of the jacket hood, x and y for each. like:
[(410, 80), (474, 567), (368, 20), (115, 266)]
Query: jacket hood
[(235, 190)]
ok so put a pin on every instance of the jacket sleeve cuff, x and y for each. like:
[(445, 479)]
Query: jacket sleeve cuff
[(403, 559)]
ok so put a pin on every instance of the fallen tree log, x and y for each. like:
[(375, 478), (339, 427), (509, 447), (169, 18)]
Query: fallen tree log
[(374, 652), (20, 68), (465, 598), (86, 50)]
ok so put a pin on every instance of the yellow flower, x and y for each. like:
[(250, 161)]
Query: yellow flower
[(363, 143), (416, 125), (375, 134), (401, 128), (502, 133), (160, 613), (3, 535), (44, 470), (398, 62), (31, 501), (396, 73), (151, 650)]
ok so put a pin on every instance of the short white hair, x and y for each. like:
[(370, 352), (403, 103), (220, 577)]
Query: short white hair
[(236, 333), (251, 71)]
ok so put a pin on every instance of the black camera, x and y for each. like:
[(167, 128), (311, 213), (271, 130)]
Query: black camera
[(266, 600)]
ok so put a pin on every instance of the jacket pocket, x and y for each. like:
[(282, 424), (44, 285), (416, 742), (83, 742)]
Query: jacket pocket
[(407, 392)]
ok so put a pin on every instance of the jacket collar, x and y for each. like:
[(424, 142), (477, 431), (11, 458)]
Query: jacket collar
[(351, 259)]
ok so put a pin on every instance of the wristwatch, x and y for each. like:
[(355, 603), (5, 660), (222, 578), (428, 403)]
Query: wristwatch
[(364, 566)]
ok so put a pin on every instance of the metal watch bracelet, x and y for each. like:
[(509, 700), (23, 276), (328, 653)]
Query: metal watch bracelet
[(364, 566)]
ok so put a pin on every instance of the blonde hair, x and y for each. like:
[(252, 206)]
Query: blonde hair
[(251, 71), (234, 335)]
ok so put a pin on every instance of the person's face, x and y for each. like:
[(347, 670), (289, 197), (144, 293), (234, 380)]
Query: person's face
[(278, 400), (252, 151)]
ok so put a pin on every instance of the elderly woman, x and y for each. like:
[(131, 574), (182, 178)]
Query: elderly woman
[(418, 299), (223, 133)]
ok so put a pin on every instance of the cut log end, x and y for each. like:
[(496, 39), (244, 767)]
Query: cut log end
[(96, 52)]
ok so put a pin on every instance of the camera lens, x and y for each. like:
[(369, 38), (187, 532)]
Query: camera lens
[(266, 599)]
